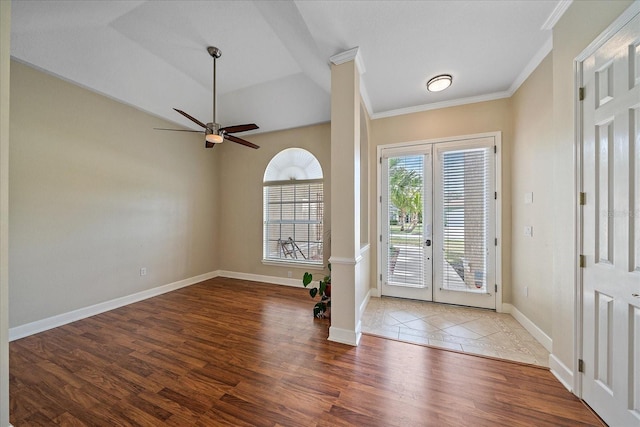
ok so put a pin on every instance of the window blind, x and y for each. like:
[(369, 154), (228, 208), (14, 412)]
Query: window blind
[(293, 221), (465, 202), (405, 260)]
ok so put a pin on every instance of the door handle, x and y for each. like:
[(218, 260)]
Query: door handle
[(427, 242)]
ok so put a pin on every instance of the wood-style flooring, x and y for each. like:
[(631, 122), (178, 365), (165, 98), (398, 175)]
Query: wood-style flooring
[(233, 352)]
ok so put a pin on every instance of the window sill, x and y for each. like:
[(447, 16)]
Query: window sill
[(307, 265)]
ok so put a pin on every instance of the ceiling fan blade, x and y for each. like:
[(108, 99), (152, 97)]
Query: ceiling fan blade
[(240, 128), (241, 141), (180, 130), (193, 119), (208, 144)]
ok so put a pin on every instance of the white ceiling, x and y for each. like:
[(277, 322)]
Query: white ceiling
[(274, 68)]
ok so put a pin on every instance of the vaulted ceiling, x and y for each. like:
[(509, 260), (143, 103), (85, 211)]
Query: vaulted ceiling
[(274, 69)]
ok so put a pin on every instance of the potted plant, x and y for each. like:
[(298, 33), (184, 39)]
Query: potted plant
[(322, 309)]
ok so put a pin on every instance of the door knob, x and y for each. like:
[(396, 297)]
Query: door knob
[(428, 242)]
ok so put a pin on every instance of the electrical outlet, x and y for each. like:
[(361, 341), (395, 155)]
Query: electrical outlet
[(526, 291), (528, 230), (143, 271), (289, 275)]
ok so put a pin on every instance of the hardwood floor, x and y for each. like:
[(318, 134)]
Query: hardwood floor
[(233, 352)]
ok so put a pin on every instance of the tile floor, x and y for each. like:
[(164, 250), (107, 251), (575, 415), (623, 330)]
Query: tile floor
[(470, 330)]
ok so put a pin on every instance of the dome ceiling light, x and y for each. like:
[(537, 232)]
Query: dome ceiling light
[(439, 83)]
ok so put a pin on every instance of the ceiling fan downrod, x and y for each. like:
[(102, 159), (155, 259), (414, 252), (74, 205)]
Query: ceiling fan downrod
[(215, 54)]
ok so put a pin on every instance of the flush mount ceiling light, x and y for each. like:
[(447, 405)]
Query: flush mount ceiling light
[(439, 83)]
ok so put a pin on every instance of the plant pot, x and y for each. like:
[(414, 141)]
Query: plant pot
[(327, 290)]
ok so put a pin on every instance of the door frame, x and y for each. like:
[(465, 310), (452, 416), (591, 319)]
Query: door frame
[(609, 32), (497, 135)]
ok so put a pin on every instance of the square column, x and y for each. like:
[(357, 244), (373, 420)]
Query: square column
[(345, 196)]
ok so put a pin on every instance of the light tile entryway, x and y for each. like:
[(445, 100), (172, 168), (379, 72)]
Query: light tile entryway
[(470, 330)]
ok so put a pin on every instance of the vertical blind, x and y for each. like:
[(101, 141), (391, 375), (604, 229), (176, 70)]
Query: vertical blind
[(466, 197), (405, 191), (293, 217)]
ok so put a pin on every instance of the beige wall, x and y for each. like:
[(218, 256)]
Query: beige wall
[(532, 257), (241, 174), (364, 281), (5, 68), (462, 120), (578, 27), (96, 194)]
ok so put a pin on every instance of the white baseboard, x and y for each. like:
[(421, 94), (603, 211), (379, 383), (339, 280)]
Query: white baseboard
[(561, 372), (363, 305), (82, 313), (297, 283), (531, 327), (345, 336)]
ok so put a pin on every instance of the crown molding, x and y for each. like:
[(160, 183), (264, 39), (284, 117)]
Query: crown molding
[(532, 65), (352, 54), (556, 14), (346, 56), (443, 104)]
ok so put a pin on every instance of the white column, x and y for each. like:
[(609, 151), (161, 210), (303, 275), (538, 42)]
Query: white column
[(345, 196)]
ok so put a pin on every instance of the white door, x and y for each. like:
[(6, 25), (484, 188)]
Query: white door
[(438, 222), (406, 218), (611, 228)]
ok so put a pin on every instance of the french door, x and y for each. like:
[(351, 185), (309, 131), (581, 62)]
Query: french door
[(438, 222)]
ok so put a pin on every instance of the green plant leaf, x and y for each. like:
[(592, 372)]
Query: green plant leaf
[(306, 279), (323, 287), (313, 292)]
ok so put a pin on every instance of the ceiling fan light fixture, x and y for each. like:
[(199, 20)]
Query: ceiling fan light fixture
[(440, 82), (214, 138)]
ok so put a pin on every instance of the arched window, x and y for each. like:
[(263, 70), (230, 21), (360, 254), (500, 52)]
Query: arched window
[(293, 208)]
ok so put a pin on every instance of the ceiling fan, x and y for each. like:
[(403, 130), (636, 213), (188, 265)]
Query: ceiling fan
[(214, 133)]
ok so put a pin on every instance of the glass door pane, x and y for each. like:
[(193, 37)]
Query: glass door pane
[(407, 223), (465, 223)]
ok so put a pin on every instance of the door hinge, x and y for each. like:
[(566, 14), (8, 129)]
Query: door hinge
[(380, 199), (583, 199), (496, 242), (380, 160), (496, 288), (381, 277), (581, 94), (580, 365), (583, 261), (495, 149), (381, 237), (495, 195)]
